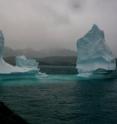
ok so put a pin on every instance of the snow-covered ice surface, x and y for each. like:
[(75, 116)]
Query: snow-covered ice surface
[(94, 57), (6, 68)]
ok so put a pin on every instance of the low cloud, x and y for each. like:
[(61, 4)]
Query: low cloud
[(43, 24)]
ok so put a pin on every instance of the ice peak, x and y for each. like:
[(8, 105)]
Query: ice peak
[(95, 27), (95, 32)]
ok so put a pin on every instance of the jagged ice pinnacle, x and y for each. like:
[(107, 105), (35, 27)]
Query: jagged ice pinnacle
[(93, 53)]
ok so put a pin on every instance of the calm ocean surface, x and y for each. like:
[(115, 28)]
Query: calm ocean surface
[(62, 99)]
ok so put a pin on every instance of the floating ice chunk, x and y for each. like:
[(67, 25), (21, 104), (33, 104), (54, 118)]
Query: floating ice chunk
[(22, 61), (93, 53)]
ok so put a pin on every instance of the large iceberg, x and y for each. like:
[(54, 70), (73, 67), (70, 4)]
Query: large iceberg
[(23, 64), (93, 55)]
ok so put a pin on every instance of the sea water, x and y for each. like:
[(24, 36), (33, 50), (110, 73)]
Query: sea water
[(62, 99)]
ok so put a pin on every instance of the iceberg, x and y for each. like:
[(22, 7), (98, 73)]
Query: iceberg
[(23, 65), (94, 57)]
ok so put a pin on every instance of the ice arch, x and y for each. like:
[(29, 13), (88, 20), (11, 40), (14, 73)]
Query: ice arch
[(6, 68)]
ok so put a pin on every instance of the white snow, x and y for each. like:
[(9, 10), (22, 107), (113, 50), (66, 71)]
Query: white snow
[(7, 68)]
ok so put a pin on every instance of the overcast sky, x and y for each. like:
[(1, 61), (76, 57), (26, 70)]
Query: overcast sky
[(41, 24)]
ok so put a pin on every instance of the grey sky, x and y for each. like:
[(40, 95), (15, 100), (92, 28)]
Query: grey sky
[(41, 24)]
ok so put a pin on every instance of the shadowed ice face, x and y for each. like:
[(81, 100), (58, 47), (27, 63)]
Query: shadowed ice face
[(1, 43)]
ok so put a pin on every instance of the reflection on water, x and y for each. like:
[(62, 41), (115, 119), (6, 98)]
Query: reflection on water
[(62, 99)]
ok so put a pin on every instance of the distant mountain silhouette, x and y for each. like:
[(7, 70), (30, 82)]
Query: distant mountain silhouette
[(38, 54), (58, 60), (62, 57), (9, 52)]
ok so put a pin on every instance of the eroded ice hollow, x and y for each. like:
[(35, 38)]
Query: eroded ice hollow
[(23, 65), (94, 57)]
